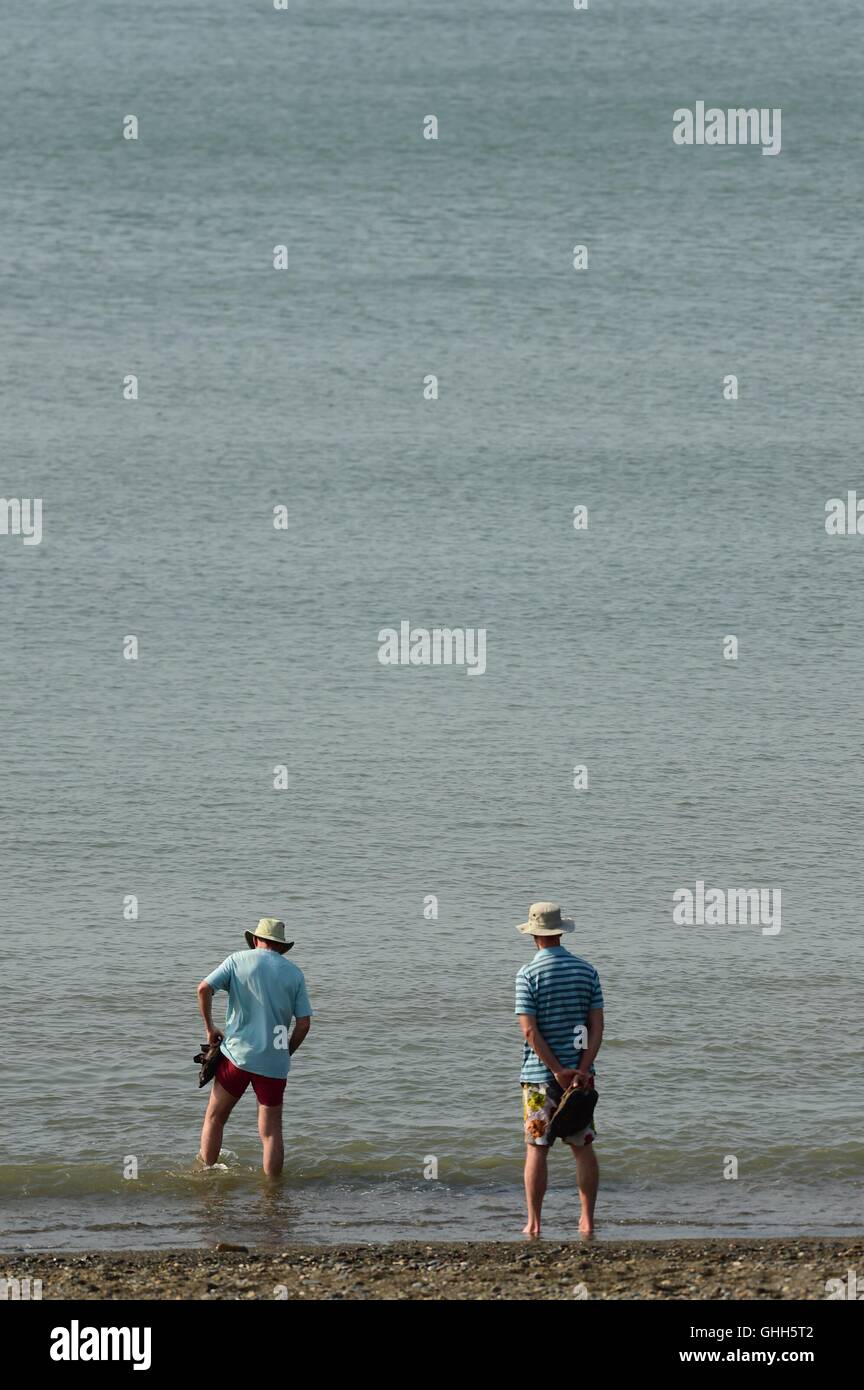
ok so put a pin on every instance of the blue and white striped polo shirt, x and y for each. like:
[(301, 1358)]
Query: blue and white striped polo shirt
[(558, 989)]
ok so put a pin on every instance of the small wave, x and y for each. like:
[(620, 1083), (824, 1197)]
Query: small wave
[(645, 1161)]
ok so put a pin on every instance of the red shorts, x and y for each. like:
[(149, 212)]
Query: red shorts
[(269, 1090)]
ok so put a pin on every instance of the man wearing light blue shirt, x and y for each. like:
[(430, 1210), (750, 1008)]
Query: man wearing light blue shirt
[(265, 992)]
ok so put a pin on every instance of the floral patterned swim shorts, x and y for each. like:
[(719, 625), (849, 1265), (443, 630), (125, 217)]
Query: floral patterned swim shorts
[(539, 1103)]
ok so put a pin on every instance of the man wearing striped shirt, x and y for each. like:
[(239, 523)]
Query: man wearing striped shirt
[(559, 1004)]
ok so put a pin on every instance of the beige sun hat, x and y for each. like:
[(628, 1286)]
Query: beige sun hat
[(544, 919), (269, 929)]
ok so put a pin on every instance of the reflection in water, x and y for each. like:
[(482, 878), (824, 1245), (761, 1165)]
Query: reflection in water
[(243, 1207)]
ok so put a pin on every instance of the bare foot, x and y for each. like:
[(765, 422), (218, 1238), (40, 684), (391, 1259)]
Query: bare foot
[(586, 1227), (532, 1229)]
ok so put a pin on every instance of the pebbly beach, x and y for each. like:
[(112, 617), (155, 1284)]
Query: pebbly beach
[(814, 1268)]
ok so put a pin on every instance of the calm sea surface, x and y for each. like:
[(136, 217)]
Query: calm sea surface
[(258, 647)]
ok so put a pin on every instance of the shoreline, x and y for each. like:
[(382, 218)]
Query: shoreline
[(782, 1267)]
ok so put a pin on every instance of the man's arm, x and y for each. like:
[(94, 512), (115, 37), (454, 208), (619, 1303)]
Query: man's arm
[(205, 1000), (301, 1028), (534, 1038), (595, 1038)]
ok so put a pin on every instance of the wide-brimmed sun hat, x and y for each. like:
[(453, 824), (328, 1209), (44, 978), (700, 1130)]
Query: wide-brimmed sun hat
[(544, 919), (269, 929)]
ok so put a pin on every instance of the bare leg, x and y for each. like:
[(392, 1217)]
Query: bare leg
[(221, 1104), (588, 1178), (270, 1130), (535, 1185)]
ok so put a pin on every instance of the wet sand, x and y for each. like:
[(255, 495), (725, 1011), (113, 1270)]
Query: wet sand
[(783, 1268)]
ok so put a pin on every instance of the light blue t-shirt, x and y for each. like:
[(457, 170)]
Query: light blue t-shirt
[(265, 991), (559, 989)]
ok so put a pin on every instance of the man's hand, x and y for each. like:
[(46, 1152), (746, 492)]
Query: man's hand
[(571, 1076), (214, 1036)]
